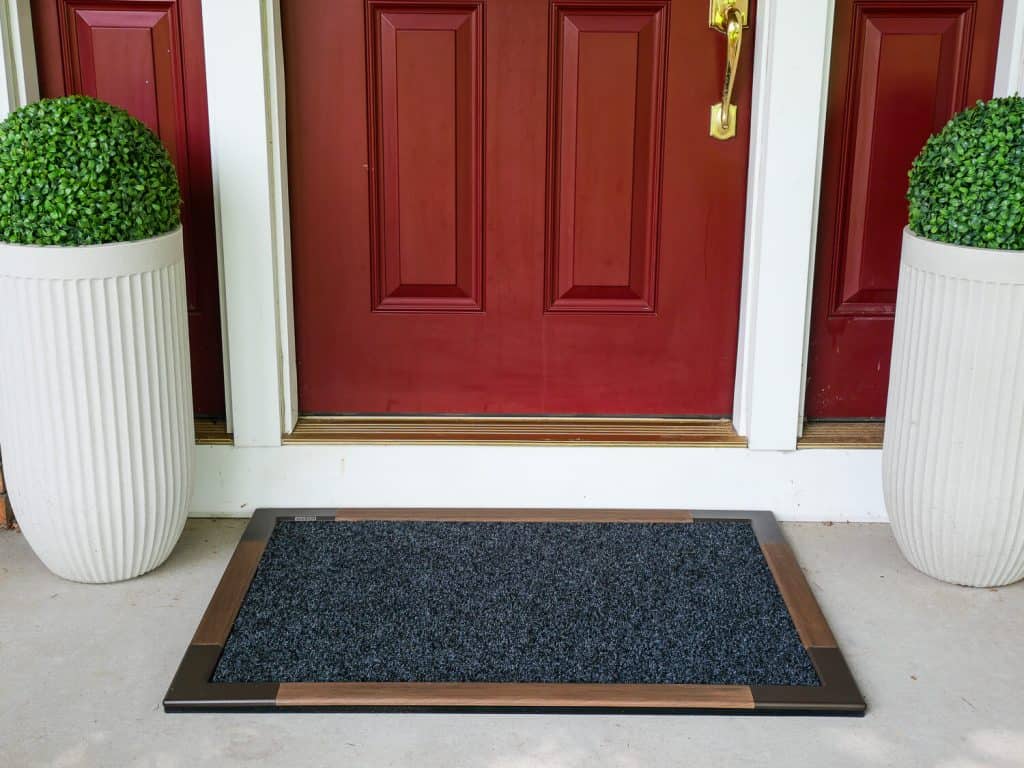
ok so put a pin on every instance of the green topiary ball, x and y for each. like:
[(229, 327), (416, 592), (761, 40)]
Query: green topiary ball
[(78, 171), (967, 185)]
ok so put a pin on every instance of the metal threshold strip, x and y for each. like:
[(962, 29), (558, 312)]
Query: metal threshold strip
[(515, 430)]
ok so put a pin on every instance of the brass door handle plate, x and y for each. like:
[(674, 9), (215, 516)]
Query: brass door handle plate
[(728, 17)]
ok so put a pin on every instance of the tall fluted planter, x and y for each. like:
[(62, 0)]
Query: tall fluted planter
[(96, 403), (953, 457)]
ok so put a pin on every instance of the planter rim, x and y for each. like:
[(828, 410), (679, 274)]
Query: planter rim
[(72, 262), (987, 265)]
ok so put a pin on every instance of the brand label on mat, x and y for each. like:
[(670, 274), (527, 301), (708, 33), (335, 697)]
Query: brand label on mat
[(305, 518)]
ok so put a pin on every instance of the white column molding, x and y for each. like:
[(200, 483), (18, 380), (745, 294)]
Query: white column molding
[(245, 92), (282, 215), (19, 84), (791, 61), (1010, 61)]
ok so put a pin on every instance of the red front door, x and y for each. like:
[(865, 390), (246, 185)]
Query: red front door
[(899, 71), (513, 206), (146, 56)]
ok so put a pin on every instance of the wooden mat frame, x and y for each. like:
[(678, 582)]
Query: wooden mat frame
[(192, 690)]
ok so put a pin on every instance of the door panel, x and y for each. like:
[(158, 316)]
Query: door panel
[(146, 56), (900, 70), (426, 72), (504, 207), (605, 142)]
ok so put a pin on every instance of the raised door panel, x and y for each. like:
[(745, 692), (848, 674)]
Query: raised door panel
[(130, 57), (605, 147), (112, 58), (912, 81), (146, 56), (900, 71), (426, 89)]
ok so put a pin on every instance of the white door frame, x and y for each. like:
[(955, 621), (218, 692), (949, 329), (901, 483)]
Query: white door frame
[(18, 81), (244, 64)]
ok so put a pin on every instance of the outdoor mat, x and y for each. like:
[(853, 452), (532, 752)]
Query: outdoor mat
[(514, 610)]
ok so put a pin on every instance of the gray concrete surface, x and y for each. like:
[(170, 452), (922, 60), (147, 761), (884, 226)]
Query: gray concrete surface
[(83, 670)]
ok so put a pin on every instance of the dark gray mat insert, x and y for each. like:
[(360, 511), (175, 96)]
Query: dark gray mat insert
[(514, 602)]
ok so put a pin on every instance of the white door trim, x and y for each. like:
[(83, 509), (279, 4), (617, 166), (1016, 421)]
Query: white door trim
[(282, 216), (19, 84), (791, 65), (1010, 59), (245, 89)]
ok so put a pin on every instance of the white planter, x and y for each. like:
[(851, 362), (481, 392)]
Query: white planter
[(953, 457), (96, 418)]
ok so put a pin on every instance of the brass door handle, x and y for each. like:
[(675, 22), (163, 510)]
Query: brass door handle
[(728, 17)]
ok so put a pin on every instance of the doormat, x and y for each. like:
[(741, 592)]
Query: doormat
[(514, 611)]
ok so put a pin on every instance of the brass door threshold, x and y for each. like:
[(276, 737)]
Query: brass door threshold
[(213, 432), (517, 430), (842, 434)]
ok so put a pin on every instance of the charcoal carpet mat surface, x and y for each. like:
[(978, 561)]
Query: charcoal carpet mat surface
[(388, 601)]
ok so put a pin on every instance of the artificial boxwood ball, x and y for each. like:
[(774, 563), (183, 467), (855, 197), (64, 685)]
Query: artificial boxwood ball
[(967, 185), (78, 171)]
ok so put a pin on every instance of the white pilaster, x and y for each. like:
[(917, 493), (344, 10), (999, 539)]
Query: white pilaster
[(245, 92), (791, 61)]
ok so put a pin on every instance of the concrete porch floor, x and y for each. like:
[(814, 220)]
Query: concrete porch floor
[(83, 670)]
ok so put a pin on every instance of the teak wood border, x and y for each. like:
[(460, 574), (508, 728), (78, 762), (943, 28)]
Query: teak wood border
[(191, 689)]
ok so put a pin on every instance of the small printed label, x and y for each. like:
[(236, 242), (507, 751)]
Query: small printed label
[(305, 518)]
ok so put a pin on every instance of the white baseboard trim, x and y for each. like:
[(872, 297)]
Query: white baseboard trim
[(806, 485)]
